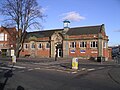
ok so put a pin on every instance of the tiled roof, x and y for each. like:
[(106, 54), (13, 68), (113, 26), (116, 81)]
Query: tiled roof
[(40, 34), (72, 31), (84, 30), (12, 30)]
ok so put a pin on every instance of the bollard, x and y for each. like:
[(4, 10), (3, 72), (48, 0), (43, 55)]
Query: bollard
[(13, 59), (75, 63)]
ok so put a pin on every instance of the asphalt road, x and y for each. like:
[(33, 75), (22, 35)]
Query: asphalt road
[(33, 76)]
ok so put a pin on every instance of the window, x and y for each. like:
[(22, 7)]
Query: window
[(93, 44), (47, 45), (73, 44), (1, 36), (105, 44), (82, 44), (5, 37), (39, 45), (33, 45), (25, 46), (1, 45)]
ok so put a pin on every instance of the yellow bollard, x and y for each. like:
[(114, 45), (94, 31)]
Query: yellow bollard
[(75, 63), (13, 59)]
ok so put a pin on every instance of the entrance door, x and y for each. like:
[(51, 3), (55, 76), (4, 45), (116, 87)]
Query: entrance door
[(59, 52)]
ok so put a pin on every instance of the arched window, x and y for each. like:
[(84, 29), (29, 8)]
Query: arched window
[(47, 45), (33, 45), (39, 45)]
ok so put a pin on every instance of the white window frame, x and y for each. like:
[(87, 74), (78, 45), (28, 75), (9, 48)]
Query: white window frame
[(5, 37), (26, 46), (82, 44), (47, 45), (1, 36), (32, 46), (72, 44), (105, 44), (1, 45), (94, 44), (39, 45)]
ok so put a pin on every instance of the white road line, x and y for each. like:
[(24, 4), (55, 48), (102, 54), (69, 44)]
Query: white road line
[(74, 72), (91, 69), (22, 71), (101, 67), (30, 69), (37, 68), (19, 67), (62, 71), (109, 66), (6, 68), (83, 69)]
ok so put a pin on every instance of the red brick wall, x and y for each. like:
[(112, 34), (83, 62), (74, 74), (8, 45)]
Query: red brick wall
[(89, 52), (43, 53), (11, 37)]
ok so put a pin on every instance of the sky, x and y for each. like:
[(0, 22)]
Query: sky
[(83, 13)]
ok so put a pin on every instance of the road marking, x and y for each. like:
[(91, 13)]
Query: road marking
[(37, 68), (30, 69), (6, 68), (91, 69), (62, 71), (22, 71), (74, 72), (109, 66), (20, 67), (83, 69), (101, 67)]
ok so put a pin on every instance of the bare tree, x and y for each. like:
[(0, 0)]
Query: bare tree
[(23, 14)]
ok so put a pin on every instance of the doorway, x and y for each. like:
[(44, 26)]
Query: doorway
[(59, 50)]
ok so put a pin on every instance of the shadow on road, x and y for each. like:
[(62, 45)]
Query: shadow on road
[(7, 75), (20, 88), (66, 65)]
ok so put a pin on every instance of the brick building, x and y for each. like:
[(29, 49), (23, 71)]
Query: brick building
[(7, 40), (84, 42)]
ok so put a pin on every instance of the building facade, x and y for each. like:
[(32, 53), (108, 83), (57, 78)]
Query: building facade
[(7, 40), (84, 42)]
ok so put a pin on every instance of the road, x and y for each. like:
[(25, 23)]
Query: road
[(33, 76)]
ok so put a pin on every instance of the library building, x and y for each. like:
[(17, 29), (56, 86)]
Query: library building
[(83, 42)]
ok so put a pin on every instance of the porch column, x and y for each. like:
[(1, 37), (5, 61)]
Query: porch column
[(52, 49), (65, 48), (100, 46)]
